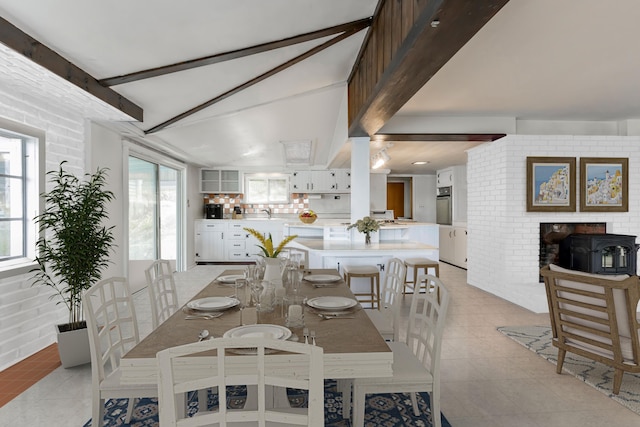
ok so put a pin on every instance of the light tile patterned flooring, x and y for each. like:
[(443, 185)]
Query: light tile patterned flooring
[(487, 379)]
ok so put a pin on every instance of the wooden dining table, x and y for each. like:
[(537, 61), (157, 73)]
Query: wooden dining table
[(353, 347)]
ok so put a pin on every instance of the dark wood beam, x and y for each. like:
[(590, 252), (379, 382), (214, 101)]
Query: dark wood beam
[(16, 39), (438, 137), (254, 81), (235, 54), (395, 65)]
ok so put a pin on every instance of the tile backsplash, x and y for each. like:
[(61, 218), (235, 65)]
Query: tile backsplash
[(299, 201)]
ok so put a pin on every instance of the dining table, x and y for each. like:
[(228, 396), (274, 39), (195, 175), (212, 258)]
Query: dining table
[(353, 347)]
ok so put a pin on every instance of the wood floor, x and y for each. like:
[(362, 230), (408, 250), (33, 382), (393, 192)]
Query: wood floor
[(19, 377)]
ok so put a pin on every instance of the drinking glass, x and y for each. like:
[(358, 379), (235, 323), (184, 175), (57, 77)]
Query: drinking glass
[(242, 295), (294, 311)]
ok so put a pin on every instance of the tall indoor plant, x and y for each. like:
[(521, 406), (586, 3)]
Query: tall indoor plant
[(74, 245)]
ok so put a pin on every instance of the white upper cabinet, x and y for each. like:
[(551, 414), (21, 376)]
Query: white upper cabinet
[(444, 177), (220, 181), (321, 181)]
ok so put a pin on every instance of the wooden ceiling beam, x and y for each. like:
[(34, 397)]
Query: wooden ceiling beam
[(254, 81), (410, 41), (438, 137), (235, 54), (14, 38)]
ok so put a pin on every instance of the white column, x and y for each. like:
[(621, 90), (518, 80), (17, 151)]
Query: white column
[(360, 163)]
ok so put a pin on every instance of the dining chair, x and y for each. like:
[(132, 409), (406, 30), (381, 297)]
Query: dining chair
[(162, 291), (416, 360), (113, 330), (176, 379), (386, 320)]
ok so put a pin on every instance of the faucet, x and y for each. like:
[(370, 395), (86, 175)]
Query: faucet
[(268, 211)]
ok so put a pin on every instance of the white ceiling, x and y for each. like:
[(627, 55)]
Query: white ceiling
[(536, 60)]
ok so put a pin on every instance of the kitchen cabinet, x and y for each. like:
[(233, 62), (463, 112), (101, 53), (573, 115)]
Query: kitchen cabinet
[(444, 177), (220, 181), (321, 181), (209, 240), (453, 245), (236, 242), (226, 240)]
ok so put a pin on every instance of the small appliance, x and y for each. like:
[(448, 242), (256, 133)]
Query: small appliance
[(213, 211)]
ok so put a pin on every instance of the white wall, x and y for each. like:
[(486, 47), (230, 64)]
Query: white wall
[(503, 237)]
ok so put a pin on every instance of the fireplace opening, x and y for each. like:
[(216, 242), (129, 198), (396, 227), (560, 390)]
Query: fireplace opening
[(553, 233)]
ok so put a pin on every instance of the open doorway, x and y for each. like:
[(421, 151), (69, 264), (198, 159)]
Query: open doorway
[(399, 193)]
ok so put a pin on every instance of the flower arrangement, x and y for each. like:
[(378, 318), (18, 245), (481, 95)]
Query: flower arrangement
[(267, 243), (366, 225)]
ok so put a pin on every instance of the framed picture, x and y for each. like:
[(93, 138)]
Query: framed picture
[(604, 184), (551, 184)]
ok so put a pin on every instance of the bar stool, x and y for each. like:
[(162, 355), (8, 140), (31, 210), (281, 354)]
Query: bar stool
[(416, 264), (370, 271)]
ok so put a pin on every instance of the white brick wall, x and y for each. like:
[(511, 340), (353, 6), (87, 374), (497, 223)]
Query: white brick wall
[(502, 246), (31, 96)]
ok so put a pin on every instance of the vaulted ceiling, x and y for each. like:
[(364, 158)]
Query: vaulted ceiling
[(542, 60)]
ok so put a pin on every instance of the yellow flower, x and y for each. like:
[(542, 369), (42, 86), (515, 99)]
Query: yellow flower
[(267, 244)]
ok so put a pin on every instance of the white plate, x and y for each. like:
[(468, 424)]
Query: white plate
[(322, 278), (230, 278), (259, 331), (212, 303), (332, 303)]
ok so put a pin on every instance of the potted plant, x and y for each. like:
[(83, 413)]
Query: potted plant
[(72, 250), (270, 253), (366, 225)]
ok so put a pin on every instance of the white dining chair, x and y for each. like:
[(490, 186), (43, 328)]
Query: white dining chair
[(416, 361), (386, 320), (257, 372), (162, 291), (113, 330)]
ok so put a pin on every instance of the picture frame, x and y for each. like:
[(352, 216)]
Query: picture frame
[(551, 184), (604, 184)]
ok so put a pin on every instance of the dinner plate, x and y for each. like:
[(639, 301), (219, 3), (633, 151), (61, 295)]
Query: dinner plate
[(213, 303), (259, 331), (230, 279), (322, 278), (331, 303)]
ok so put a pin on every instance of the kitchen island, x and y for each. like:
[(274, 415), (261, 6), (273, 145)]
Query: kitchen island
[(324, 253)]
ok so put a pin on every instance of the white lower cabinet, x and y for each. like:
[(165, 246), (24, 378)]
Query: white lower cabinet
[(226, 240), (453, 245), (209, 240), (460, 246)]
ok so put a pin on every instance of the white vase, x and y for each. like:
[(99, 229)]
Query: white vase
[(272, 269)]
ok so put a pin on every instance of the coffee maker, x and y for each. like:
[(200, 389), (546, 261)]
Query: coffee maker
[(213, 211)]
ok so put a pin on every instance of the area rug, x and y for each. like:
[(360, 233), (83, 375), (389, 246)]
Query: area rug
[(382, 410), (597, 375)]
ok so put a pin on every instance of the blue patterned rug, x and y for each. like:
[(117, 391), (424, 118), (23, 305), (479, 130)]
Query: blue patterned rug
[(382, 410), (597, 375)]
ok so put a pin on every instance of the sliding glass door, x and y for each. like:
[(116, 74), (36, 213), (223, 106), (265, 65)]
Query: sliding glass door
[(154, 216)]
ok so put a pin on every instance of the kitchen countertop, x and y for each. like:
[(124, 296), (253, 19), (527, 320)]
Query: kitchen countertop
[(342, 245)]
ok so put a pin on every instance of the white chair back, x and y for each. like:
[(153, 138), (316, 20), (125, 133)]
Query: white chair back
[(112, 325), (162, 291), (174, 381), (392, 287), (427, 317)]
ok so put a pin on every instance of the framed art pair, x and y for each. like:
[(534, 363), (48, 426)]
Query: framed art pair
[(551, 184)]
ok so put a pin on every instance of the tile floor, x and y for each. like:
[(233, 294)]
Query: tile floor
[(487, 379)]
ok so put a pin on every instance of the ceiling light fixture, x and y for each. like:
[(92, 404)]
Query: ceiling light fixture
[(420, 162), (381, 157)]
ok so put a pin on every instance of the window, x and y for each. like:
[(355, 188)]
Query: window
[(266, 188), (20, 181)]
